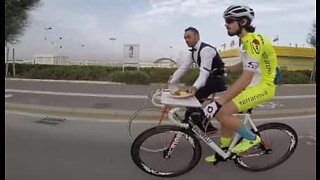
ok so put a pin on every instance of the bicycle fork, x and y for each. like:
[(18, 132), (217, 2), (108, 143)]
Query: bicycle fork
[(175, 140)]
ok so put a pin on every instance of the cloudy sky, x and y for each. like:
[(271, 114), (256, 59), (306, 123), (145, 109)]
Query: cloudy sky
[(86, 26)]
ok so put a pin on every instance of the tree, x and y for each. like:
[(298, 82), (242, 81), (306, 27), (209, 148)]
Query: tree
[(311, 39), (16, 18)]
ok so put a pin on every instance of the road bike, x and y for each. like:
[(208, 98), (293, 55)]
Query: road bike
[(148, 117), (179, 149), (157, 114)]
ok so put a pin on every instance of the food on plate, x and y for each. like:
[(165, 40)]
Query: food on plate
[(181, 93)]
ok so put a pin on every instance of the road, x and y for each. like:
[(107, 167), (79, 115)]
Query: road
[(124, 97), (99, 150)]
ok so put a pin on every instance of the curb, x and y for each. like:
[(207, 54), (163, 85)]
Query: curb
[(68, 112), (64, 81), (126, 114)]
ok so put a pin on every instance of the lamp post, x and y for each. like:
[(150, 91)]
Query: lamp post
[(47, 29), (112, 39), (46, 37), (57, 45), (7, 60), (171, 52)]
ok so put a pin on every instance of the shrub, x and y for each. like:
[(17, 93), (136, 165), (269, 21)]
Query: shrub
[(130, 77), (295, 77), (159, 75), (190, 77)]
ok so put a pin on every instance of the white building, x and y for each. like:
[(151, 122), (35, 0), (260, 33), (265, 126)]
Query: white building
[(51, 59)]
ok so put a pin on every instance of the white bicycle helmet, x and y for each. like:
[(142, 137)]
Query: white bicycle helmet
[(239, 11)]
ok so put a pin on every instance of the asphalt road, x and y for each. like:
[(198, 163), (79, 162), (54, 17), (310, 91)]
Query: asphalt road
[(123, 97), (82, 150)]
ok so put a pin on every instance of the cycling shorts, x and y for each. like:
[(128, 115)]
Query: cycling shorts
[(253, 96)]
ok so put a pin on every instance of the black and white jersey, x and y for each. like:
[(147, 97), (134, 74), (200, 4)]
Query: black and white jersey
[(204, 55)]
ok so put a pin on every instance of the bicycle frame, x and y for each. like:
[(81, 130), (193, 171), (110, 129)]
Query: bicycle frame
[(204, 137), (235, 139), (187, 134)]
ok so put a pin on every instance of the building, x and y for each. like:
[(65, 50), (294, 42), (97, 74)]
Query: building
[(51, 59), (289, 58)]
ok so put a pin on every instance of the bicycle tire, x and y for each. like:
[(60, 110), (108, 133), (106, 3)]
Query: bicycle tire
[(262, 131), (136, 153), (152, 114)]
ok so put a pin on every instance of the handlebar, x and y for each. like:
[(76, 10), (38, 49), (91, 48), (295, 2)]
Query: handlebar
[(172, 119), (157, 96)]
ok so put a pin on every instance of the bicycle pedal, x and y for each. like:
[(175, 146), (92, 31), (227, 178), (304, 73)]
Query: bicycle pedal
[(233, 156), (218, 159)]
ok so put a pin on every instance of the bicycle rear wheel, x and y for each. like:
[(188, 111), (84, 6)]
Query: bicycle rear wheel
[(182, 153), (146, 118), (279, 141)]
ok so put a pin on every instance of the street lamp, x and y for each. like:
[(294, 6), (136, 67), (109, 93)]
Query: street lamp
[(56, 45), (47, 29), (171, 52), (112, 39)]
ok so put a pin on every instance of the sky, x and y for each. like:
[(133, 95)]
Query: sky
[(157, 26)]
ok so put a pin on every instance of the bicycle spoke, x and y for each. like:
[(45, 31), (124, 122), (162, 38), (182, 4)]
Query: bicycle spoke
[(279, 142), (180, 155)]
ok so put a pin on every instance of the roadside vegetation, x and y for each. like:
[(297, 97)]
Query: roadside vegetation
[(131, 75)]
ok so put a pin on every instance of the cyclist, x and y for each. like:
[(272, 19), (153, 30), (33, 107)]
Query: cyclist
[(206, 57), (255, 85)]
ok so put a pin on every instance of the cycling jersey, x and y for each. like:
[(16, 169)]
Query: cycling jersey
[(205, 56), (258, 55)]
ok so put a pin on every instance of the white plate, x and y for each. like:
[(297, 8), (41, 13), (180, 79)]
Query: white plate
[(180, 97)]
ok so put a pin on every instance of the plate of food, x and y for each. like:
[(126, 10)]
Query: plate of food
[(180, 94)]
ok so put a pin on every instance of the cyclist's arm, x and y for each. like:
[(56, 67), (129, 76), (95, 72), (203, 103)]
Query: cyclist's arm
[(250, 66), (183, 68), (237, 87), (234, 68), (206, 55)]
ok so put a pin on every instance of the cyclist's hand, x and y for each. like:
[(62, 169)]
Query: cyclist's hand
[(211, 109), (192, 90), (169, 79), (174, 88)]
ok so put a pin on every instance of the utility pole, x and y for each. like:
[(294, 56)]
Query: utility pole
[(113, 53), (7, 63), (313, 72), (13, 65)]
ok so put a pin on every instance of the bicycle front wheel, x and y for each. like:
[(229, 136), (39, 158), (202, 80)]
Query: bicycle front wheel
[(278, 142), (146, 118), (182, 152)]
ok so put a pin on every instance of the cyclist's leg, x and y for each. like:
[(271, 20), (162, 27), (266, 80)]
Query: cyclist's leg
[(212, 86), (247, 99), (200, 95), (224, 116), (229, 123)]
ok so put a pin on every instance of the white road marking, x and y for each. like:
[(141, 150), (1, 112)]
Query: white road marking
[(143, 121), (8, 95), (76, 94), (122, 96), (294, 97)]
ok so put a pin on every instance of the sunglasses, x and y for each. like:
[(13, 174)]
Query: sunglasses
[(230, 20)]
